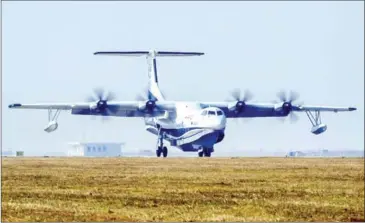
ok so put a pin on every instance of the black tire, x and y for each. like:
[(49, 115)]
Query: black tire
[(158, 152), (207, 152), (200, 154), (164, 151)]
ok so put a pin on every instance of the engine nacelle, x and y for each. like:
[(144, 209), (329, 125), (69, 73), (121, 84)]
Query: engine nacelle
[(149, 105), (93, 106), (52, 126), (237, 106), (318, 129)]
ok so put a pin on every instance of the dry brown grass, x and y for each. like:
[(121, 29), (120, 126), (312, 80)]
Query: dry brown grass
[(182, 189)]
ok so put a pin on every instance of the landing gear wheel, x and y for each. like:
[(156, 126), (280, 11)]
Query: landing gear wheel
[(158, 152), (207, 152), (164, 151)]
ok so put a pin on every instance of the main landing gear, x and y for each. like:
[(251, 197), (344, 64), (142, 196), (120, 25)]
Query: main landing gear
[(161, 150), (205, 152)]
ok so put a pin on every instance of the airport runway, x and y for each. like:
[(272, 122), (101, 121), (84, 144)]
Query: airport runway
[(182, 189)]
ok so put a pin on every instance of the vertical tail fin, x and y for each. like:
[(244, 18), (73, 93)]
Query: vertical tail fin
[(153, 89)]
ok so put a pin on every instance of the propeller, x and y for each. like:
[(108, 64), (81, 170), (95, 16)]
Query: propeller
[(101, 98), (238, 102), (287, 106), (240, 99), (150, 101)]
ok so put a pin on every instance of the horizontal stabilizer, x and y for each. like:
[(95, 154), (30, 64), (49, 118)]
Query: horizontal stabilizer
[(168, 53), (142, 53)]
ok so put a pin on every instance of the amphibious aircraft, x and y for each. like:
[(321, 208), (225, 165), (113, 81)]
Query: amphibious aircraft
[(189, 126)]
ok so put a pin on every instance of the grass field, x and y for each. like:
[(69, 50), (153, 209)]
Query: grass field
[(182, 189)]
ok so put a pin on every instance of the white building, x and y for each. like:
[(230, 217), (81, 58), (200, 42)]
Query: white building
[(296, 153), (91, 149), (7, 153), (11, 153)]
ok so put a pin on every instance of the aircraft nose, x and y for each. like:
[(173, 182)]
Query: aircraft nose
[(220, 121), (223, 120)]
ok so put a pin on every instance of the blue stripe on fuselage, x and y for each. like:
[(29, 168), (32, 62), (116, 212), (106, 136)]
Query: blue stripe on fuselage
[(181, 131), (206, 141)]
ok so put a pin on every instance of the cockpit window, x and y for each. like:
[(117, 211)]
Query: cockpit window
[(219, 113), (211, 112), (204, 112)]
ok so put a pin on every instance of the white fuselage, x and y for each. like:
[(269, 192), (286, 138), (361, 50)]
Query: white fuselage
[(190, 115), (190, 127)]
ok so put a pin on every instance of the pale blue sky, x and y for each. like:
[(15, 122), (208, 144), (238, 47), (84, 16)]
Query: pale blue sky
[(315, 48)]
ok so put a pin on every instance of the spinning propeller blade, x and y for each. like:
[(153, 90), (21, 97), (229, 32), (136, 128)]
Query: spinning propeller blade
[(240, 101), (150, 101), (236, 95), (287, 106), (100, 98)]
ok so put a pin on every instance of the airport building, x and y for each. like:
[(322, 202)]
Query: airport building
[(296, 154), (95, 149), (7, 153), (10, 152)]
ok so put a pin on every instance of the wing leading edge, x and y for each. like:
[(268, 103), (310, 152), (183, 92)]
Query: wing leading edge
[(60, 106), (251, 110), (325, 108), (118, 109), (135, 108)]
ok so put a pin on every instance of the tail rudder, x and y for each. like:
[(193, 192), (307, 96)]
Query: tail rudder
[(153, 88)]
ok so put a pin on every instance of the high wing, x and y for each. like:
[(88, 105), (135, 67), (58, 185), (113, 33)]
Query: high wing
[(325, 108), (104, 108), (140, 108), (162, 109), (250, 110), (60, 106)]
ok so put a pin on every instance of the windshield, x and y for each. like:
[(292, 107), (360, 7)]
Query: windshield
[(211, 112)]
